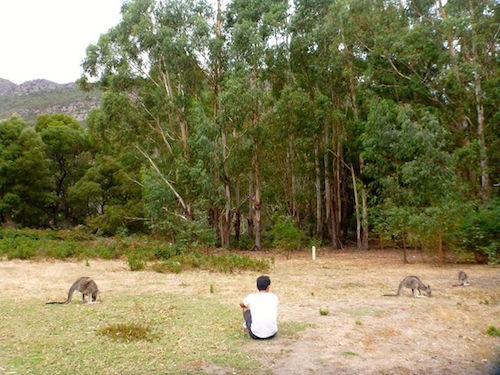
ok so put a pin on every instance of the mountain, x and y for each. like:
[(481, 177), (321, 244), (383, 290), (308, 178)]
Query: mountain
[(33, 98)]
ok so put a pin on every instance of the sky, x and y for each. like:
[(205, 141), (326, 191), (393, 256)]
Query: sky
[(47, 39)]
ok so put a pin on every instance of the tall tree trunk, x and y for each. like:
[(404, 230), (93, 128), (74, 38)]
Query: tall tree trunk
[(293, 179), (226, 223), (338, 188), (226, 219), (319, 219), (449, 36), (251, 199), (356, 207), (327, 183), (258, 200), (335, 207), (364, 204), (483, 158), (237, 217)]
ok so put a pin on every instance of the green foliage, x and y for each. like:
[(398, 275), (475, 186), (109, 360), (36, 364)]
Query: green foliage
[(135, 262), (406, 156), (272, 108), (225, 263), (66, 145), (480, 231), (493, 331), (25, 184), (286, 235)]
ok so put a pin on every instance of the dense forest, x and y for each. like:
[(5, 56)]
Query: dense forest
[(270, 123)]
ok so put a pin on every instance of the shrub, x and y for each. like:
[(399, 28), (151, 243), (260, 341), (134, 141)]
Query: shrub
[(286, 235), (135, 262), (480, 232), (225, 263)]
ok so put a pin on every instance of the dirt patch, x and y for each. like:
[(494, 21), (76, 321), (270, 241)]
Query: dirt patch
[(364, 332)]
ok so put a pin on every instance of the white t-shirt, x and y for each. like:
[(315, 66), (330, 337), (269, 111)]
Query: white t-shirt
[(264, 309)]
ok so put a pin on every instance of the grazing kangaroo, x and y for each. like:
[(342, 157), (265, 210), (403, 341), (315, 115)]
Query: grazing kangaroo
[(84, 285), (463, 279), (412, 282)]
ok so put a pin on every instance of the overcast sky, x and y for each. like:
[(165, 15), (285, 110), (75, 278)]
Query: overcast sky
[(47, 38)]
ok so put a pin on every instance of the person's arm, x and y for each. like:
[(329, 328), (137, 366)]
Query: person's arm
[(242, 305)]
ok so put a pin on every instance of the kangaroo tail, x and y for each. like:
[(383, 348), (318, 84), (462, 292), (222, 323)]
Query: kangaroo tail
[(71, 291), (399, 288), (390, 295), (54, 303)]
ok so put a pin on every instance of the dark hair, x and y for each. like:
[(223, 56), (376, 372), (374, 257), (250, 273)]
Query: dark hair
[(263, 282)]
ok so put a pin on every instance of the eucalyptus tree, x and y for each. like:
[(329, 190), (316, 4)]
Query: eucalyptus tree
[(406, 155), (256, 31), (26, 187), (106, 198), (66, 145), (469, 84), (152, 67)]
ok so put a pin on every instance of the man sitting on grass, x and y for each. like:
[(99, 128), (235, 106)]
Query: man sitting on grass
[(260, 311)]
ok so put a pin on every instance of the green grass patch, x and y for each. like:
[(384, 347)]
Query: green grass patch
[(293, 328), (350, 354), (126, 332), (161, 334), (493, 331)]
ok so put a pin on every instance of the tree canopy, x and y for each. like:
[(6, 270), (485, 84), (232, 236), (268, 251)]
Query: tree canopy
[(351, 120)]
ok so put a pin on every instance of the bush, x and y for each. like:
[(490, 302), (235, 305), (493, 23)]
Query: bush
[(226, 263), (286, 235), (245, 242), (480, 232), (135, 262)]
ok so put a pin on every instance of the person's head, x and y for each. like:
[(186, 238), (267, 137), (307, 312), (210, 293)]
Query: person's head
[(263, 283)]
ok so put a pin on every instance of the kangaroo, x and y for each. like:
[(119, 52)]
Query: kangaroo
[(412, 282), (463, 279), (84, 285)]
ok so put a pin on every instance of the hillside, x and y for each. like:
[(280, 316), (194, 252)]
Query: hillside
[(32, 98)]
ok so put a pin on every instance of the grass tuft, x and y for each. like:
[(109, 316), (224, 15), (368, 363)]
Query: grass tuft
[(127, 332), (135, 262), (493, 331), (350, 354)]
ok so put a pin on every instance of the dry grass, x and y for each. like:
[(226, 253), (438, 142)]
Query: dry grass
[(199, 326)]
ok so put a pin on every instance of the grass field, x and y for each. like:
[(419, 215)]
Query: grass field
[(190, 323)]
